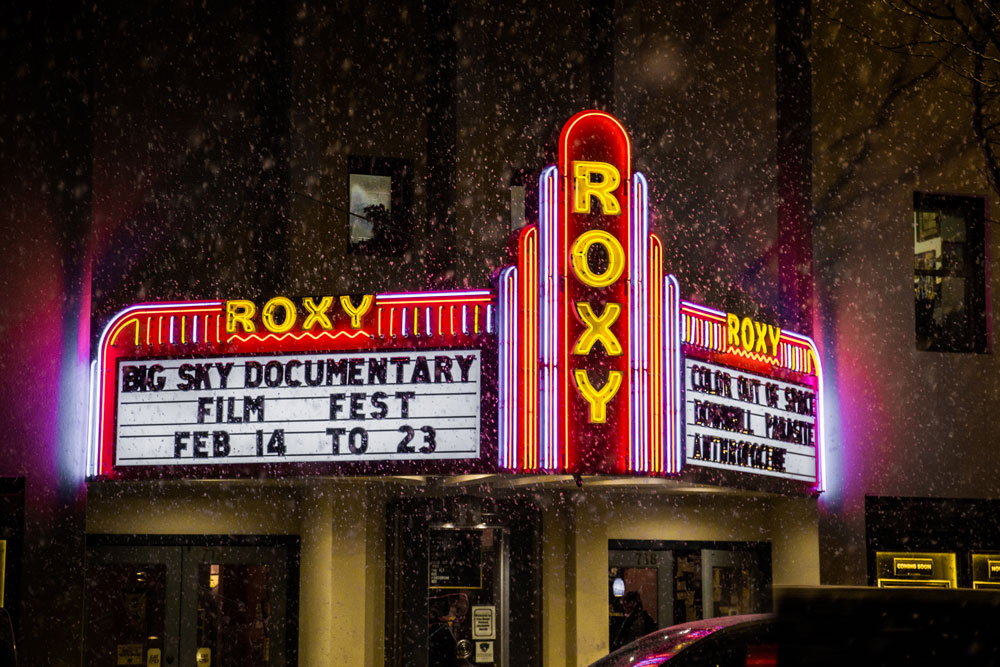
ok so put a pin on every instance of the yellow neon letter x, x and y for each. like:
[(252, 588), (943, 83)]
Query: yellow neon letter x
[(585, 186), (317, 313), (598, 328), (581, 266), (598, 399), (761, 337)]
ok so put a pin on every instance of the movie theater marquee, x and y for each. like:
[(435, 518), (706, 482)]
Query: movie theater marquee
[(567, 365)]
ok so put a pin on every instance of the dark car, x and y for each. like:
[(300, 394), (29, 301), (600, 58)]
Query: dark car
[(834, 626), (727, 641), (8, 652), (888, 627)]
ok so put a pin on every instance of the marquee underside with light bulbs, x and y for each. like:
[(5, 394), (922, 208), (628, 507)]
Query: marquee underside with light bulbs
[(584, 359)]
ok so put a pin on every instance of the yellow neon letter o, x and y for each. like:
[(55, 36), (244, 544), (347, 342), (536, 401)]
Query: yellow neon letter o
[(581, 267), (267, 315)]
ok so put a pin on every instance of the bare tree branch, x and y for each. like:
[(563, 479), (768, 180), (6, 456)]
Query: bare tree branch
[(900, 89), (961, 37), (984, 135)]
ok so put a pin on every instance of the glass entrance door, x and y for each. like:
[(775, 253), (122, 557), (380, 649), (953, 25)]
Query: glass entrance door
[(128, 604), (466, 589), (661, 583), (188, 605), (735, 580), (638, 581), (463, 583)]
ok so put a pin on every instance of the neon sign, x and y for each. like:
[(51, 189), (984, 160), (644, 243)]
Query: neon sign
[(751, 337), (582, 336), (597, 348), (753, 397), (280, 313)]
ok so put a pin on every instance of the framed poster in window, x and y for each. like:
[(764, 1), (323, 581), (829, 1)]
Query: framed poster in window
[(928, 225)]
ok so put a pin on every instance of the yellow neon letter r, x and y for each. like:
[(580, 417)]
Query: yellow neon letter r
[(240, 312), (733, 330), (585, 187)]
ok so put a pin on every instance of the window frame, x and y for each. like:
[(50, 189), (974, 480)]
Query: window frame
[(975, 271), (528, 180), (400, 173)]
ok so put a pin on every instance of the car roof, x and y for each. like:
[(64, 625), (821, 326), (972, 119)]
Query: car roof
[(668, 642), (719, 622)]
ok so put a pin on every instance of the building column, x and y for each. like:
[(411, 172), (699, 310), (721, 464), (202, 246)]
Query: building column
[(342, 575), (557, 628), (316, 577), (587, 573)]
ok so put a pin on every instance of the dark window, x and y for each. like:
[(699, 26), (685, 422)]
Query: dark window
[(516, 207), (523, 198), (379, 222), (949, 273)]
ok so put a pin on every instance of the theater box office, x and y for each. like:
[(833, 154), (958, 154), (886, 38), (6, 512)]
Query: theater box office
[(400, 478)]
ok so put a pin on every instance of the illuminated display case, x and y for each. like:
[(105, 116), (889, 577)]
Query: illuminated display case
[(952, 542), (933, 570), (986, 570), (11, 542)]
